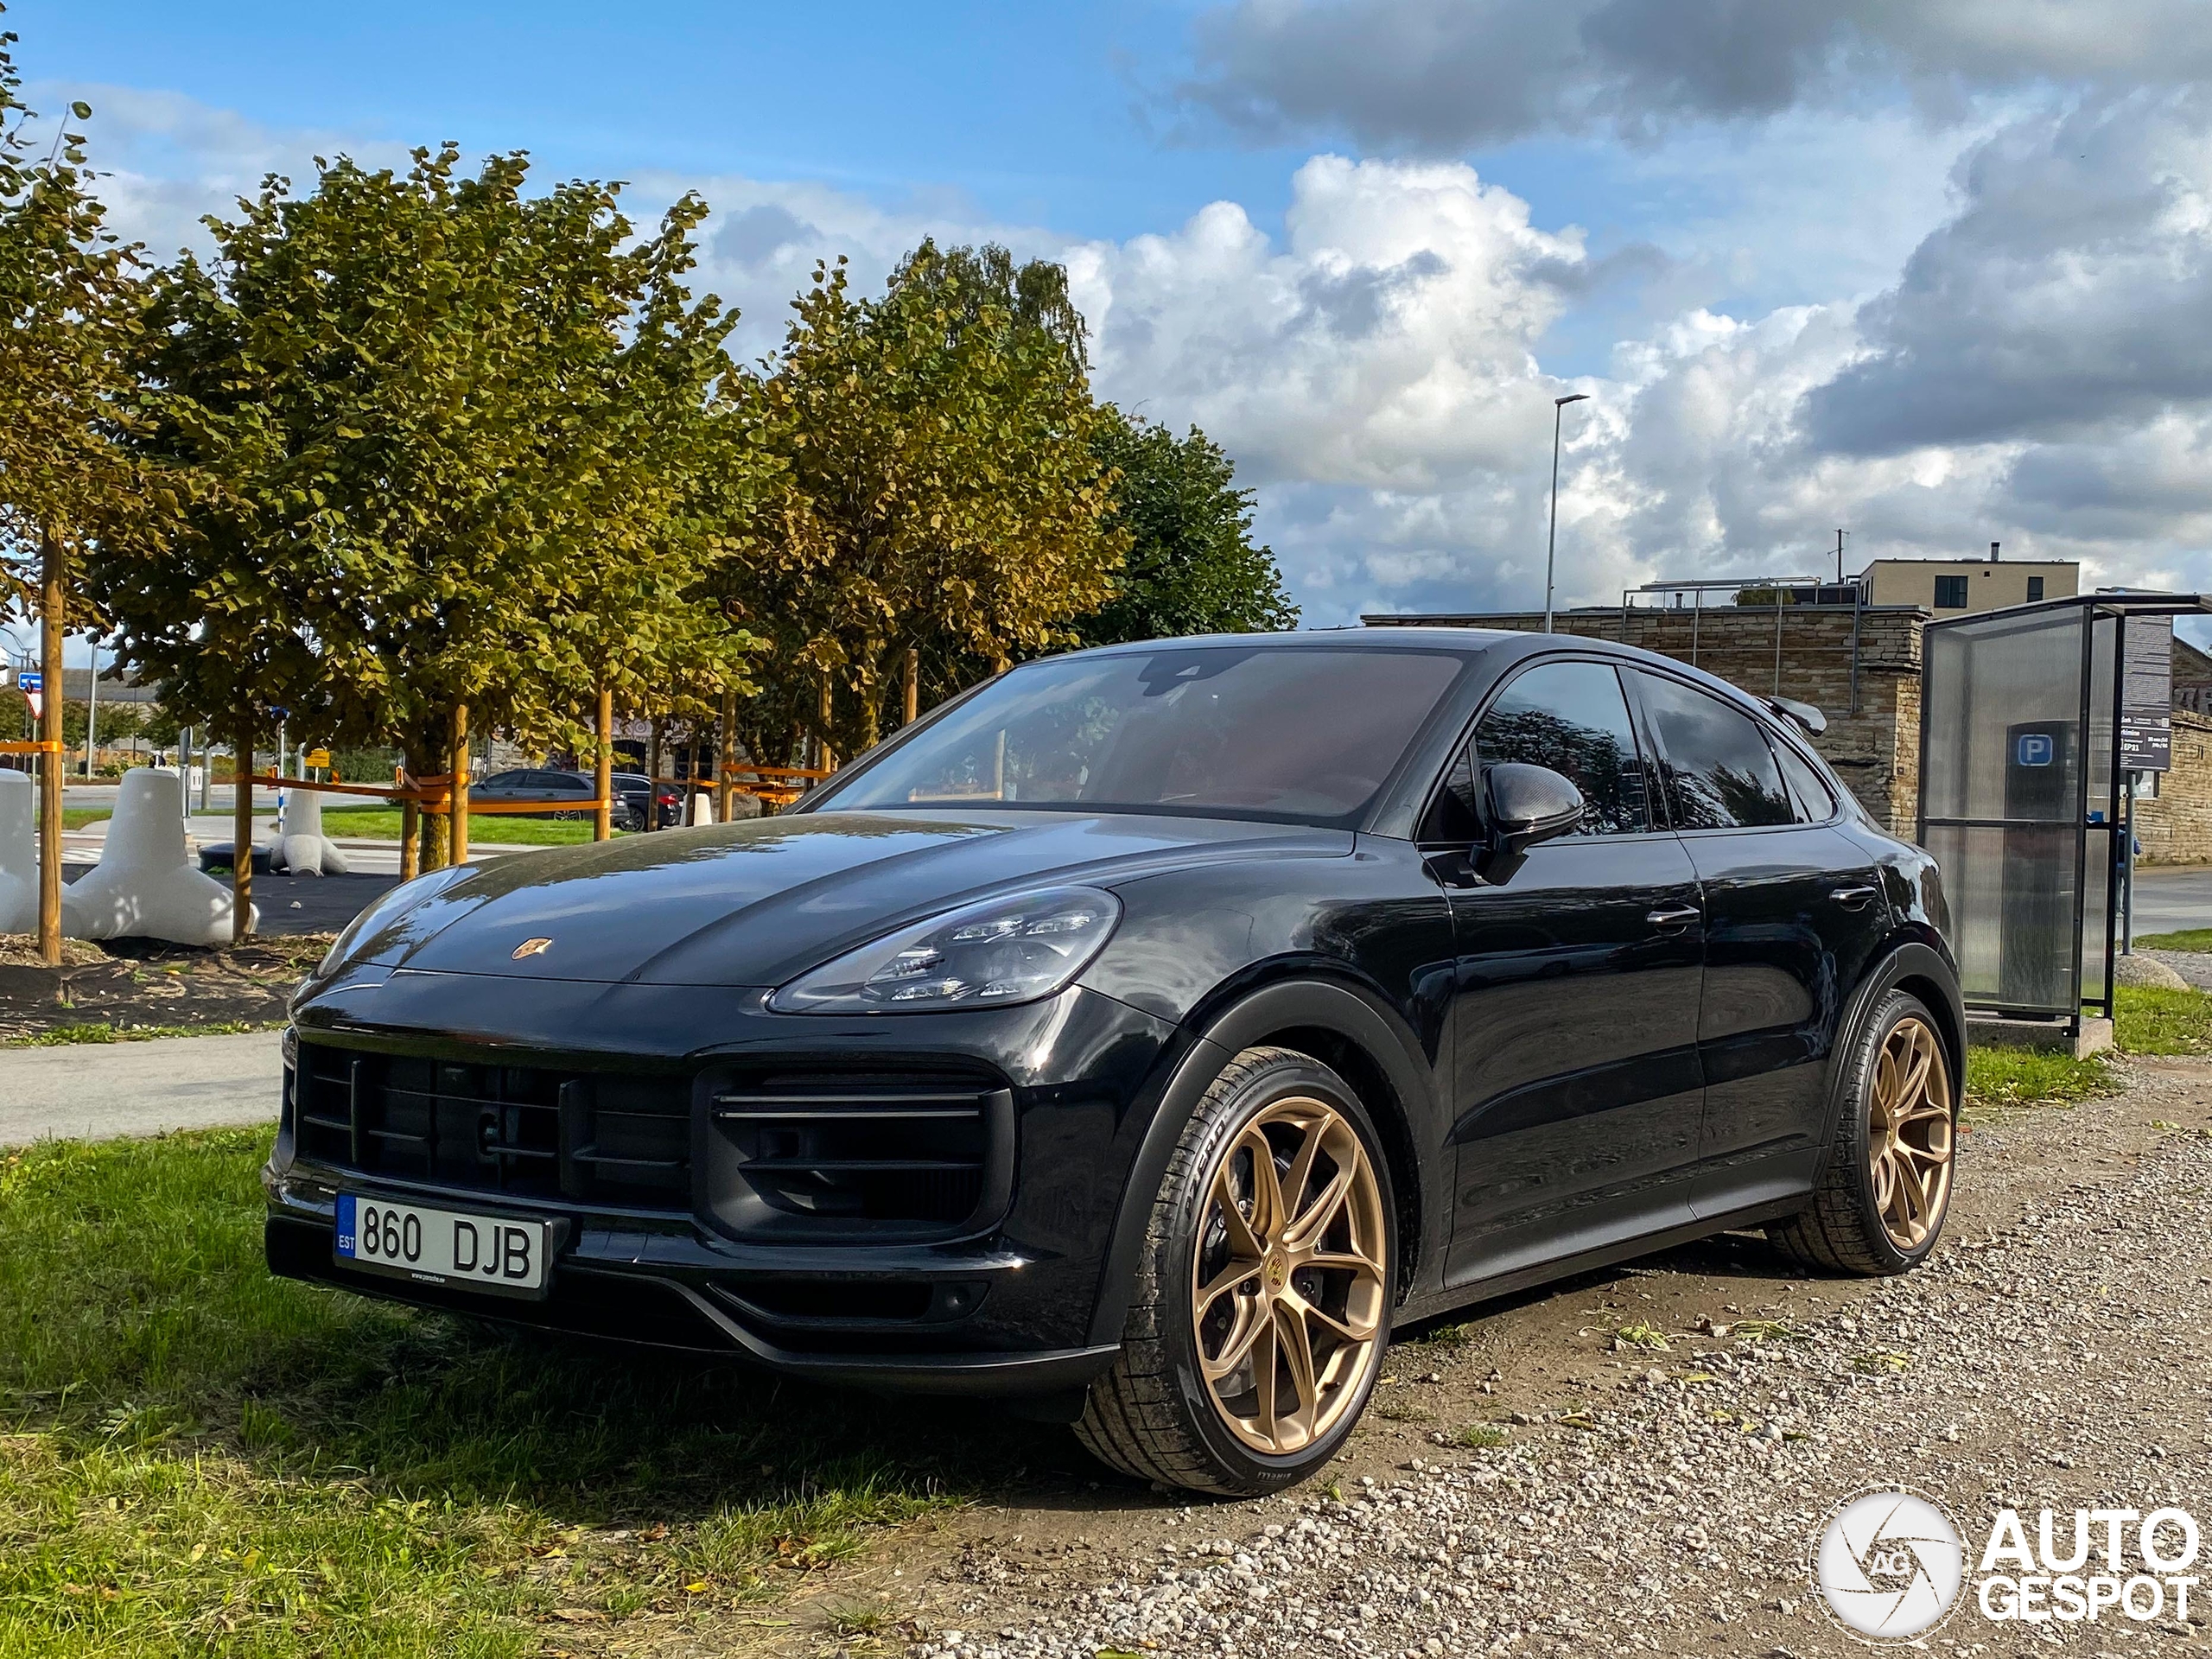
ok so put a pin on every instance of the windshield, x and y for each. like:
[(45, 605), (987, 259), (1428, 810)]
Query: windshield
[(1307, 735)]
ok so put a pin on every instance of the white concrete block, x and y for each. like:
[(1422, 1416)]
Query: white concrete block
[(302, 849), (18, 853), (146, 885)]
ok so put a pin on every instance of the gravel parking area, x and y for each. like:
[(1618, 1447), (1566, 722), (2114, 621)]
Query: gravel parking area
[(1642, 1499)]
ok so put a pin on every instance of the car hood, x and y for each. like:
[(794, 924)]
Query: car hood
[(755, 903)]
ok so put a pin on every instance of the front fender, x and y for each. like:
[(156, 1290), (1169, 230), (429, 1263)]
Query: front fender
[(1293, 1012)]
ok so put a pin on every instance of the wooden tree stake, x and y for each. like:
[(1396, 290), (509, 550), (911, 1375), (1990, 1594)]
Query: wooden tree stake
[(602, 823), (913, 684), (242, 830), (49, 763)]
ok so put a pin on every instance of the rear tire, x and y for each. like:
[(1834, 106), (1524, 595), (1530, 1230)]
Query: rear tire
[(1263, 1301), (1883, 1197)]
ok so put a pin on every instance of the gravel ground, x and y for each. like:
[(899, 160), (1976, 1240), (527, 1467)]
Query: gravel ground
[(2052, 1354)]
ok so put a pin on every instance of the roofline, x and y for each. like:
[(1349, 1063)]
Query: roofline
[(2136, 604)]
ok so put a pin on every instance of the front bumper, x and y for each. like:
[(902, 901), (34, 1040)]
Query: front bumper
[(1005, 1308), (595, 1293)]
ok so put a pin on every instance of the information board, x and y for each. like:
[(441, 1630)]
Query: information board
[(2146, 697)]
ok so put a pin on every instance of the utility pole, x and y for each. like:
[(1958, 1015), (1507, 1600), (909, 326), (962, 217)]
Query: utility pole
[(1838, 559)]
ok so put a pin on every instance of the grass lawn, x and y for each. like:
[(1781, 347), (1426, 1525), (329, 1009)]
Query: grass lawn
[(197, 1458), (382, 824), (2025, 1077), (76, 817), (2147, 1020), (2190, 938), (101, 1031)]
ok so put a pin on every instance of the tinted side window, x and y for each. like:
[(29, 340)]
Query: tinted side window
[(1719, 772), (1573, 718), (1815, 800)]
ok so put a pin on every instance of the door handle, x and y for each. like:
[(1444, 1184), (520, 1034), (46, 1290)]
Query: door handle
[(1853, 898), (1673, 917)]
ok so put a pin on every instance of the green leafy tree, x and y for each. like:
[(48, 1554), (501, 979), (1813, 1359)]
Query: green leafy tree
[(69, 309), (1193, 567), (448, 420), (940, 489)]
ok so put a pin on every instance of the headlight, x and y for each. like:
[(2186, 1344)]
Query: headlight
[(394, 905), (1000, 951)]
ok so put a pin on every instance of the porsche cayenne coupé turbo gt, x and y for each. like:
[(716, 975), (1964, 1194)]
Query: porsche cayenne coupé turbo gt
[(1145, 1033)]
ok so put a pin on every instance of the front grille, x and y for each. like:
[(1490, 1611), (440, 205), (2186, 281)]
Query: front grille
[(520, 1131), (865, 1150)]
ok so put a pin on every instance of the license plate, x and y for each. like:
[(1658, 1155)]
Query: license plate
[(496, 1254)]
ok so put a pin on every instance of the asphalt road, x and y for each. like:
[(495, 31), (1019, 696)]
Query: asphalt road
[(2168, 896), (91, 1090), (300, 904)]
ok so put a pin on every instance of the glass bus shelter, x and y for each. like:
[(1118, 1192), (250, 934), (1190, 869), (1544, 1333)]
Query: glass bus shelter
[(2032, 720)]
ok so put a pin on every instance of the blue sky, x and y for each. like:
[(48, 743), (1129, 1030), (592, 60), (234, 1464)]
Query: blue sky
[(1934, 274)]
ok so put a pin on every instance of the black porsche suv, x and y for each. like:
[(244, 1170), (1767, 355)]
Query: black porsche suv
[(1145, 1033)]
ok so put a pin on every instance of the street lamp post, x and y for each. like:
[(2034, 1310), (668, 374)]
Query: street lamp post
[(1551, 544)]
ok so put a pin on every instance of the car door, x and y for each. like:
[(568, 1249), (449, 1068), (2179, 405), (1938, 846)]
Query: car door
[(1576, 1082), (1794, 910)]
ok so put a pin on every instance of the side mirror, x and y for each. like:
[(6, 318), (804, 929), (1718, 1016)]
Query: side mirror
[(1528, 805)]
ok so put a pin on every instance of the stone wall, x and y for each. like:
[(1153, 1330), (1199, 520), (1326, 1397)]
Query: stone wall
[(2176, 827), (1875, 748)]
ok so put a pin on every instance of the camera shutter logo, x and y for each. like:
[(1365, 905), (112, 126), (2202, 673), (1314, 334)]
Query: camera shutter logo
[(1890, 1565)]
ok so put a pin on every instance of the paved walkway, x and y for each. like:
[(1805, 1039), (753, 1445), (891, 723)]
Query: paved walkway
[(90, 1090)]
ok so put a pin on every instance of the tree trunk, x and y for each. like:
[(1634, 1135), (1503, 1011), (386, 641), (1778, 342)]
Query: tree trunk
[(457, 764), (602, 826), (426, 759), (725, 754), (653, 758), (828, 758), (49, 761), (242, 828), (913, 685)]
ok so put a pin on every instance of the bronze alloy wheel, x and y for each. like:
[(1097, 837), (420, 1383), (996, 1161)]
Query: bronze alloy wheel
[(1286, 1281), (1909, 1133)]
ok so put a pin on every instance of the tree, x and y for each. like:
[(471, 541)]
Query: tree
[(1191, 566), (440, 413), (69, 309), (939, 487)]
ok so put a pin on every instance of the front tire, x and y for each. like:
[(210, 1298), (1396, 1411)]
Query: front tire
[(1886, 1190), (1263, 1300)]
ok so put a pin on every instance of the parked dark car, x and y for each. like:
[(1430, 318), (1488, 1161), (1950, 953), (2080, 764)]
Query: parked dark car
[(534, 782), (658, 804), (1145, 1033)]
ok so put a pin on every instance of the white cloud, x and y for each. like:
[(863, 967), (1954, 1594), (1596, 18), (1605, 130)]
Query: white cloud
[(1389, 343), (2032, 370)]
